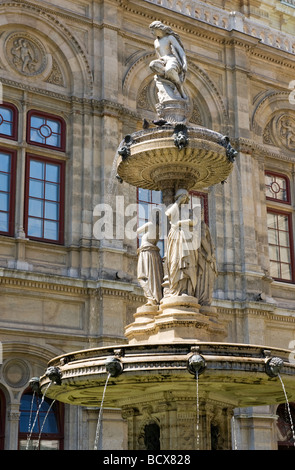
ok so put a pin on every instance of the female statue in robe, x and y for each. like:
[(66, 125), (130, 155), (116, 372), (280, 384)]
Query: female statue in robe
[(149, 265), (207, 270), (182, 249)]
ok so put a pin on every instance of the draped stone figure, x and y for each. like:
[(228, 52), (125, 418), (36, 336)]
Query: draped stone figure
[(182, 249), (207, 270), (171, 63), (150, 265)]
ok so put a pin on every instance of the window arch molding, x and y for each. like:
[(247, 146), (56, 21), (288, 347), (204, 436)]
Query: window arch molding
[(280, 214)]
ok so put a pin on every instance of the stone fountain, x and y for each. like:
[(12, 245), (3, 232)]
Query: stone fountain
[(176, 380)]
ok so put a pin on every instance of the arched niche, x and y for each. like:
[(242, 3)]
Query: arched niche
[(270, 110), (65, 70), (150, 434), (206, 105)]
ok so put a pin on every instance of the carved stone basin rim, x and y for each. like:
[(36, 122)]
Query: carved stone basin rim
[(234, 373), (150, 159)]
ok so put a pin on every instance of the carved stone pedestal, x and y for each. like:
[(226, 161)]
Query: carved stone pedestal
[(178, 318), (171, 107)]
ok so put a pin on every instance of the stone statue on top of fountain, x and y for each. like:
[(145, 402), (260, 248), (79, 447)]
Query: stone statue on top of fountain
[(170, 68)]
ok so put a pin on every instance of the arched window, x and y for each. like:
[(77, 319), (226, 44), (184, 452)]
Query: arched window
[(46, 130), (279, 227), (8, 121), (41, 423), (2, 419)]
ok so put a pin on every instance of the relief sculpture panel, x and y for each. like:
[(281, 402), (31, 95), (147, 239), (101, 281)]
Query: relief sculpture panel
[(25, 54), (280, 131)]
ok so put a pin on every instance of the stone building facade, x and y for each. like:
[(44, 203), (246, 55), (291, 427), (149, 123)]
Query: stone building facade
[(75, 79)]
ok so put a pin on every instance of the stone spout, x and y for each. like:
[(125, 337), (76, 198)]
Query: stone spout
[(114, 366)]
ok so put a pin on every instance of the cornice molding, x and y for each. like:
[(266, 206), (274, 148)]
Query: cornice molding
[(259, 309), (261, 150), (69, 286)]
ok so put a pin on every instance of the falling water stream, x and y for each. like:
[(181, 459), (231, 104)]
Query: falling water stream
[(198, 411), (288, 407), (41, 430), (97, 444), (31, 413), (30, 430)]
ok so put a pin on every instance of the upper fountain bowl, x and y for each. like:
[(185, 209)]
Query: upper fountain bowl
[(165, 157)]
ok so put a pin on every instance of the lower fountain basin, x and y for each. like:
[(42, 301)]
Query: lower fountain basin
[(235, 374)]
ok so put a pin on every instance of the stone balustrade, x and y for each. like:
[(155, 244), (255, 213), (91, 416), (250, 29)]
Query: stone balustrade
[(231, 20), (290, 3)]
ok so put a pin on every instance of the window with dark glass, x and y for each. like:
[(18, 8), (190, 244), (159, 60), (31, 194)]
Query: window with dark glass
[(44, 199), (280, 245), (148, 201), (40, 424), (279, 227), (7, 191), (8, 121), (46, 130)]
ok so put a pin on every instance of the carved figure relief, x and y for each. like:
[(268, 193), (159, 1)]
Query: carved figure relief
[(286, 131), (280, 131), (26, 54)]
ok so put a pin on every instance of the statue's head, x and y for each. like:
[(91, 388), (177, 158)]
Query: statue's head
[(182, 194), (159, 26)]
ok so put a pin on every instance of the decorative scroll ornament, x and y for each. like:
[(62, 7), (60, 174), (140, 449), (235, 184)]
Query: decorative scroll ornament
[(25, 54)]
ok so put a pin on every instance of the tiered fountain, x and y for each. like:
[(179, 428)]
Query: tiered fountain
[(176, 381)]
